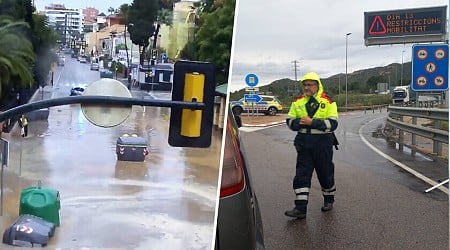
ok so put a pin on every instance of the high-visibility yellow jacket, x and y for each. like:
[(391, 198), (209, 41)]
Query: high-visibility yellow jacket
[(24, 121), (327, 108), (324, 119)]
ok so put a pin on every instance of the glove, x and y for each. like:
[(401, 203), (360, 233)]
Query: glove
[(293, 124)]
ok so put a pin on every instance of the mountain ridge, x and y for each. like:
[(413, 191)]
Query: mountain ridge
[(359, 81)]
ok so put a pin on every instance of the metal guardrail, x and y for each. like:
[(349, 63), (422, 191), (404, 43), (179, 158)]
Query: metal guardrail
[(365, 108), (396, 121), (429, 113)]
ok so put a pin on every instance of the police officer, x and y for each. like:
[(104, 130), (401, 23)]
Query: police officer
[(314, 116)]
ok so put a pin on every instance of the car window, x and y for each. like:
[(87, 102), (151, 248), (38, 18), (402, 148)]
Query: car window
[(267, 99)]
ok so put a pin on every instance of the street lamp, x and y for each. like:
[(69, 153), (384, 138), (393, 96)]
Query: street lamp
[(128, 59), (401, 76), (346, 77)]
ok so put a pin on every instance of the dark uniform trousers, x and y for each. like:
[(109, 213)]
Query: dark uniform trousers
[(317, 158)]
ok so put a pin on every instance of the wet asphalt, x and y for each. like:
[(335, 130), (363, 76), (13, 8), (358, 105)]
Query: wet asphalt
[(378, 204)]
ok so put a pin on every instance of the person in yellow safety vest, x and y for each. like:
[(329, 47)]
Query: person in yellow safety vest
[(314, 116), (24, 125)]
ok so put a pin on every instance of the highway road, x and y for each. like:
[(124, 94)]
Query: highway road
[(378, 204)]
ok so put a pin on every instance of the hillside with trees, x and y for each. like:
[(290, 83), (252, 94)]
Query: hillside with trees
[(361, 85)]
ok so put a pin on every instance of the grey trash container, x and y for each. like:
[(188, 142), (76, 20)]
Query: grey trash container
[(29, 231), (131, 148)]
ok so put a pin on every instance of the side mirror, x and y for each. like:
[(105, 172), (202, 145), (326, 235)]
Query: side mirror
[(238, 120)]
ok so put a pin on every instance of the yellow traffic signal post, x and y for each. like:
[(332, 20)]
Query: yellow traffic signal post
[(192, 82)]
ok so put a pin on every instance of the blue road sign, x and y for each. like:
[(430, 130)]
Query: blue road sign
[(430, 67), (252, 98), (251, 80)]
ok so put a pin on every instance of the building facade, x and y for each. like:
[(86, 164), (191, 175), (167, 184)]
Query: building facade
[(175, 37), (90, 19), (90, 14), (71, 21)]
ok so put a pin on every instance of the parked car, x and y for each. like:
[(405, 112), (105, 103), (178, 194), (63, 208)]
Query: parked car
[(61, 61), (68, 51), (95, 66), (104, 73), (269, 105), (83, 59), (76, 91), (239, 224)]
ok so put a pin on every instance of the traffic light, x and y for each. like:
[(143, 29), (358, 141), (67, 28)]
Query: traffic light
[(154, 54), (73, 44)]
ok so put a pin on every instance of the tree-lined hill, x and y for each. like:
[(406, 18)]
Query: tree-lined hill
[(360, 82)]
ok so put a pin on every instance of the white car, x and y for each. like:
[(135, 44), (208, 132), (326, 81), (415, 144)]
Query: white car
[(83, 59)]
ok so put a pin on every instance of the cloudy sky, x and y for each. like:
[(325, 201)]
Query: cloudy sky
[(101, 5), (271, 34)]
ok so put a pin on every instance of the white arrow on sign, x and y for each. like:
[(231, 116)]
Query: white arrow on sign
[(251, 89)]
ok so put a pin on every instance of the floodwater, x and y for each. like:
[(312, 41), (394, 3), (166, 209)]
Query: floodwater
[(166, 201)]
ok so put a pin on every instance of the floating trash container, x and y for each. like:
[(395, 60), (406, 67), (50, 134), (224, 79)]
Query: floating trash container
[(42, 202), (131, 148), (29, 231)]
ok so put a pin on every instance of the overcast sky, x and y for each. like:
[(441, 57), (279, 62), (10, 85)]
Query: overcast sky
[(101, 5), (271, 34)]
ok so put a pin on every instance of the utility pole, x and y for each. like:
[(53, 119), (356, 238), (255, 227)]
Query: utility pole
[(65, 29), (401, 75), (346, 75), (295, 75), (295, 69)]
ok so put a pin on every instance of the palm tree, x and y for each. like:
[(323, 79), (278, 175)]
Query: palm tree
[(164, 16), (16, 54), (111, 10)]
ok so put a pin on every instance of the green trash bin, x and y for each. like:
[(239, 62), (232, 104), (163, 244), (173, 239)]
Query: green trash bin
[(41, 202)]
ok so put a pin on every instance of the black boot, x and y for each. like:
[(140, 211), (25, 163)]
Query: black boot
[(327, 206), (296, 213)]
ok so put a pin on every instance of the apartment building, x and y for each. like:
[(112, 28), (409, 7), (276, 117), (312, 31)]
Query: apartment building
[(70, 20)]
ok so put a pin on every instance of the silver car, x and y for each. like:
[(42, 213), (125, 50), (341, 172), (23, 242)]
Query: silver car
[(94, 66), (239, 224)]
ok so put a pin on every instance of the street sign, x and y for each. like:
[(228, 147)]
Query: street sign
[(405, 26), (251, 89), (252, 98), (251, 80), (430, 67)]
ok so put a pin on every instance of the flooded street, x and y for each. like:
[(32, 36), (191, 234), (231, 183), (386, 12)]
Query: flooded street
[(167, 201)]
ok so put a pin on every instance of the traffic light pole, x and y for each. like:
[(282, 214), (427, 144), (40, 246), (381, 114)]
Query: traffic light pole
[(153, 60)]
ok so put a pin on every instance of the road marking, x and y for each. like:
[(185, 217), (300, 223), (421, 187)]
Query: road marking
[(59, 76), (406, 168), (256, 128)]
